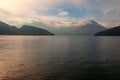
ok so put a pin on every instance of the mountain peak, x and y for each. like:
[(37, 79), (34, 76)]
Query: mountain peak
[(4, 24), (27, 29), (92, 21), (87, 22)]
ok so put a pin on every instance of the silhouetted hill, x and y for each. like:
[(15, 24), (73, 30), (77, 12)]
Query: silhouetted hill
[(110, 32), (31, 30), (6, 29)]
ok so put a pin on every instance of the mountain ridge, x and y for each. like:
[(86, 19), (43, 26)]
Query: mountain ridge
[(6, 29), (89, 28), (110, 32)]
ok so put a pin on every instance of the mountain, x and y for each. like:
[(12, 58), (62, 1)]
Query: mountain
[(31, 30), (6, 29), (110, 32), (89, 27)]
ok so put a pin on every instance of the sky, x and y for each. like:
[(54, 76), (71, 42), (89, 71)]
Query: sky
[(18, 12)]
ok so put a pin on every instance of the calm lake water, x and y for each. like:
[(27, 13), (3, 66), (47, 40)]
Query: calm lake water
[(59, 58)]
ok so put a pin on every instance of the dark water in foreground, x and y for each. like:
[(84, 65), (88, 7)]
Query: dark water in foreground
[(59, 58)]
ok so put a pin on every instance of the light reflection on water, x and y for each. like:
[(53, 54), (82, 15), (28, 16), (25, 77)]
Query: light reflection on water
[(59, 58)]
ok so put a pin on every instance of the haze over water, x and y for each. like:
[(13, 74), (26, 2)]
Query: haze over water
[(59, 58)]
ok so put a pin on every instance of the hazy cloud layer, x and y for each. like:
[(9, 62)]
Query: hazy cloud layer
[(18, 12), (70, 24)]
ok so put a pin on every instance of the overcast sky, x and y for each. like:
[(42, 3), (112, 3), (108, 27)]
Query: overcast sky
[(106, 12)]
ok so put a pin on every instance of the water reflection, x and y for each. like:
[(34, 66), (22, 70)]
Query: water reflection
[(59, 58)]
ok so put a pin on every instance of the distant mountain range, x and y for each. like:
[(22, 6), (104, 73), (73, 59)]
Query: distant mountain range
[(89, 28), (6, 29), (110, 32)]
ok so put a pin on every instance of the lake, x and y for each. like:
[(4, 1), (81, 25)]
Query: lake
[(59, 58)]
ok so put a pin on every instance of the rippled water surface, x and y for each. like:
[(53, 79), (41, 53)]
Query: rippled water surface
[(59, 58)]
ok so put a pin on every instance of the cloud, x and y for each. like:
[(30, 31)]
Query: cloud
[(117, 24), (102, 10), (106, 25), (69, 24), (64, 13), (21, 11), (25, 11)]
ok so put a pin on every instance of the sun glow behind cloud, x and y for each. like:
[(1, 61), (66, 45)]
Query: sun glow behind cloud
[(20, 12)]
